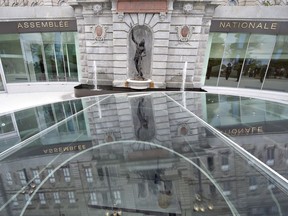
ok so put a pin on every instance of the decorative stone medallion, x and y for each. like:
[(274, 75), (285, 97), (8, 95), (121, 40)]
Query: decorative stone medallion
[(187, 8), (184, 32), (97, 8), (99, 32)]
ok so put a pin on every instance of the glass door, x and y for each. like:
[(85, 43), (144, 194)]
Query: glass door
[(34, 57)]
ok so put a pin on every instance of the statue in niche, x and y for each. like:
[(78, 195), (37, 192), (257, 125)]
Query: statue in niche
[(138, 58)]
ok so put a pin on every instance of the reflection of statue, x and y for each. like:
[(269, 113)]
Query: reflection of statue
[(143, 119), (139, 54)]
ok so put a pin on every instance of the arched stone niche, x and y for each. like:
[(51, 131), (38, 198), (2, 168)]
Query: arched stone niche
[(140, 32)]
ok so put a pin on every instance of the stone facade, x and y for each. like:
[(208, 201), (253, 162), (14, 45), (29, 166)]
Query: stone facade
[(168, 51)]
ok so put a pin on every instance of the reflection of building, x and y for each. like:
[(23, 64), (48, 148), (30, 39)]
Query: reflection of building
[(135, 175)]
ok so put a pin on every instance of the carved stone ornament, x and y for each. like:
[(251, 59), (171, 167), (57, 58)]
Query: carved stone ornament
[(183, 129), (187, 8), (99, 32), (97, 8), (121, 16), (109, 136), (184, 32), (162, 16)]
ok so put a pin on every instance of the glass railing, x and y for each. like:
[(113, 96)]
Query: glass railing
[(164, 153)]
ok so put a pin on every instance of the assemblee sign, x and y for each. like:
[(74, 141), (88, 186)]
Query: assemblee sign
[(38, 26)]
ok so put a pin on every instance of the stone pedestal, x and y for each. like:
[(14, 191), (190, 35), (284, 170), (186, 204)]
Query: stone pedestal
[(139, 84)]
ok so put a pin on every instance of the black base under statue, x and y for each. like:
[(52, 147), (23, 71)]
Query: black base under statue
[(82, 90)]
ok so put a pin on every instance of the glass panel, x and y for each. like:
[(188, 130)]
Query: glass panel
[(1, 84), (60, 58), (205, 169), (215, 58), (277, 75), (234, 54), (27, 123), (10, 45), (257, 59)]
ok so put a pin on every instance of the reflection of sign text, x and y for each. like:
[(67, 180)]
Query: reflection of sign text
[(243, 131), (64, 149)]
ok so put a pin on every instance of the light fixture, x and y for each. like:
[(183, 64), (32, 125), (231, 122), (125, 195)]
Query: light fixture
[(114, 213), (29, 189), (202, 203)]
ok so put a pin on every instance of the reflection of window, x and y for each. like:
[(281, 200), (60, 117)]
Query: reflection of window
[(9, 178), (226, 188), (36, 176), (104, 197), (22, 177), (270, 156), (252, 183), (141, 190), (56, 197), (270, 185), (100, 173), (117, 197), (210, 163), (88, 173), (15, 202), (66, 173), (27, 199), (6, 124), (212, 189), (71, 197), (93, 198), (225, 161), (51, 174), (42, 198)]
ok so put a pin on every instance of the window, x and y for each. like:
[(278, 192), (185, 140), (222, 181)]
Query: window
[(71, 197), (88, 173), (27, 198), (225, 161), (42, 198), (51, 174), (56, 197), (36, 176), (117, 197), (22, 177), (66, 173), (252, 183), (38, 57), (9, 178), (93, 198)]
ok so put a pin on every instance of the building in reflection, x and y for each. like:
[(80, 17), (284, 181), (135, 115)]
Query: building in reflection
[(178, 168)]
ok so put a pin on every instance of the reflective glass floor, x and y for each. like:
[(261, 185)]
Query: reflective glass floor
[(163, 153)]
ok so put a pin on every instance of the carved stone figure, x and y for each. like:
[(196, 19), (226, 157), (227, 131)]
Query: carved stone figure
[(138, 58)]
